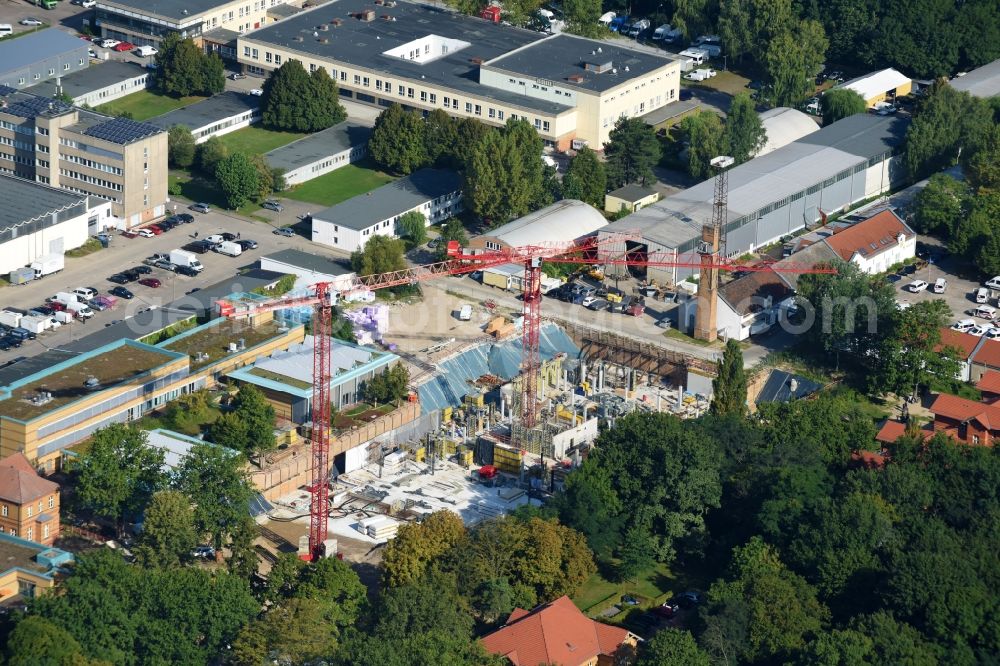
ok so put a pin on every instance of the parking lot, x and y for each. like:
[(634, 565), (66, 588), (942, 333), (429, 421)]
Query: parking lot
[(959, 295), (67, 16), (123, 253)]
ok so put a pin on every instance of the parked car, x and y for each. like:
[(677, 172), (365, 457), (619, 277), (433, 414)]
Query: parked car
[(688, 599), (226, 236), (122, 292), (993, 283), (186, 218), (200, 207), (978, 330), (145, 233), (146, 51), (118, 278), (124, 46), (917, 286), (587, 300), (164, 264), (257, 92), (629, 600), (597, 305), (31, 21), (940, 285), (271, 204), (156, 229), (187, 270), (287, 232), (87, 4), (150, 282), (247, 244), (236, 76), (963, 325), (981, 295), (992, 334), (667, 609)]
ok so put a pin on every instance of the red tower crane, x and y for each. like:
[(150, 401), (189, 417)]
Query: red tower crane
[(606, 251)]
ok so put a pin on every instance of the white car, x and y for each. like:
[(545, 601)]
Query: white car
[(588, 300), (985, 312), (993, 334), (30, 21), (963, 325), (146, 51), (108, 43), (92, 53), (917, 286), (145, 233), (257, 92), (993, 283), (978, 330), (87, 4)]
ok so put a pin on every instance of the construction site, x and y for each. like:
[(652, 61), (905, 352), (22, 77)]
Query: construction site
[(509, 402)]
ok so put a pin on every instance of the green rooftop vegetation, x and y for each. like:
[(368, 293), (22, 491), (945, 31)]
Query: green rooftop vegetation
[(146, 104), (211, 343), (109, 368), (348, 181)]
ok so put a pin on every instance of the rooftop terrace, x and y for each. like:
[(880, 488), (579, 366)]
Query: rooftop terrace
[(67, 381)]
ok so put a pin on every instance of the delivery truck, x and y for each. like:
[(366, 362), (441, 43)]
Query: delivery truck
[(47, 265), (64, 297), (36, 324), (229, 248), (80, 310), (187, 259)]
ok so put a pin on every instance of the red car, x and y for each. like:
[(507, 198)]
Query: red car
[(150, 282), (155, 229), (124, 46), (130, 234)]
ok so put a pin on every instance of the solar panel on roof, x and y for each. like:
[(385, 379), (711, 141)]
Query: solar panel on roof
[(31, 106), (122, 130), (6, 90)]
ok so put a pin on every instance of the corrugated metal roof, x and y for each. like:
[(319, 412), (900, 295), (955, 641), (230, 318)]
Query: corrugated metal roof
[(981, 82), (452, 382), (25, 201), (876, 83)]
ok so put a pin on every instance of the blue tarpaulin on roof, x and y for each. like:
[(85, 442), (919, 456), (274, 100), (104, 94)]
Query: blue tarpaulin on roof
[(451, 384)]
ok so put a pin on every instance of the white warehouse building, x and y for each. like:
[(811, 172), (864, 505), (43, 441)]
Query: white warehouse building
[(435, 193), (37, 220), (780, 193)]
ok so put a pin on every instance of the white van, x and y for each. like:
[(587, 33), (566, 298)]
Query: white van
[(80, 310), (940, 285), (696, 56), (146, 51), (229, 248), (6, 29), (86, 293), (982, 295), (985, 312), (465, 314)]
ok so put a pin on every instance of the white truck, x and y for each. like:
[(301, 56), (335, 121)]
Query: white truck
[(65, 298), (229, 248), (80, 310), (47, 265), (36, 324), (185, 258), (10, 318)]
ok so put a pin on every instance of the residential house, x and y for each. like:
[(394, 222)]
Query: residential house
[(989, 385), (966, 421), (29, 504), (875, 244), (985, 358), (965, 344), (557, 634), (747, 305)]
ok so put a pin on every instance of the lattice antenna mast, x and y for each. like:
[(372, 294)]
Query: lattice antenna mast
[(720, 206)]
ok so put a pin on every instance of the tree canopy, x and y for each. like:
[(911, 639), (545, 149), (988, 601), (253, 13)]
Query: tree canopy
[(381, 254), (586, 179), (398, 141), (729, 388), (239, 180), (839, 103), (183, 69), (180, 147), (298, 101), (631, 153)]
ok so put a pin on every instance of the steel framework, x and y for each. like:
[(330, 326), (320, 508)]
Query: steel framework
[(605, 251)]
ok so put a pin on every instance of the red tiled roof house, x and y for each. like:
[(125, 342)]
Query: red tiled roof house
[(875, 244), (967, 421), (29, 504), (557, 633)]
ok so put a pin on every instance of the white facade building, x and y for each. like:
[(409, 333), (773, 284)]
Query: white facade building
[(875, 244), (38, 220), (320, 153), (347, 226)]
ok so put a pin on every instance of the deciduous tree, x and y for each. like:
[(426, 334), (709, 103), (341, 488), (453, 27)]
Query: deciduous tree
[(586, 179), (417, 545), (180, 147), (238, 179), (168, 534), (183, 69), (582, 16), (631, 153), (397, 141), (706, 140), (297, 101), (839, 103), (213, 479), (252, 408), (412, 226), (381, 254), (669, 647), (745, 134), (119, 473), (210, 154)]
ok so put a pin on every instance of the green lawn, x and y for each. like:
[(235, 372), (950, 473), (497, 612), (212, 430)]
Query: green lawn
[(340, 185), (198, 189), (257, 140), (146, 104), (599, 593)]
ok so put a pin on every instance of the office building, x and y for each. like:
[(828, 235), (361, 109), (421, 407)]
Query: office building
[(28, 569), (320, 153), (219, 114), (117, 159), (571, 89), (98, 84)]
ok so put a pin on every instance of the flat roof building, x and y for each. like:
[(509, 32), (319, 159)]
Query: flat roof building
[(981, 82), (40, 56), (320, 153), (630, 197), (286, 377), (147, 23), (37, 220), (117, 159), (777, 194), (28, 569), (310, 268), (435, 193), (427, 58), (98, 84), (215, 116)]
